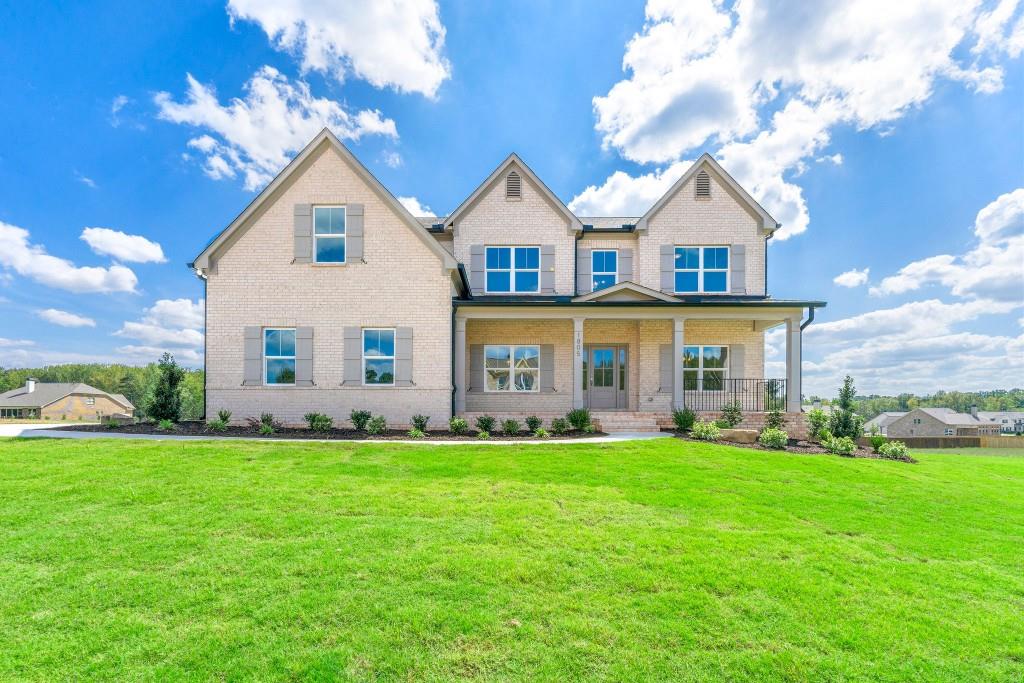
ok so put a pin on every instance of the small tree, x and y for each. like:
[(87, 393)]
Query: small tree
[(166, 401), (843, 421)]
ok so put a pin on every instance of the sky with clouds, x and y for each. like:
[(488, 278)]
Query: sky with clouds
[(887, 138)]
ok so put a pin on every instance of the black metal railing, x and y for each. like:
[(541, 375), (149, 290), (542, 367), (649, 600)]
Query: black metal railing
[(751, 395)]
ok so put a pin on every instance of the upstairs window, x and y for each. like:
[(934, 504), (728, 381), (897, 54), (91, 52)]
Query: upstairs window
[(512, 368), (279, 356), (605, 267), (512, 270), (702, 186), (329, 234), (702, 270), (705, 368), (90, 400), (513, 186), (379, 357)]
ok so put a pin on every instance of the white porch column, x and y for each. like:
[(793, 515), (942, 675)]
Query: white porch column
[(460, 380), (577, 362), (678, 342), (794, 354)]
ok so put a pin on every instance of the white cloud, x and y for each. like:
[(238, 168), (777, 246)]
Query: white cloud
[(852, 278), (149, 354), (415, 207), (176, 313), (392, 159), (11, 343), (625, 195), (256, 136), (397, 44), (168, 323), (64, 318), (85, 180), (32, 261), (116, 106), (122, 246), (834, 159)]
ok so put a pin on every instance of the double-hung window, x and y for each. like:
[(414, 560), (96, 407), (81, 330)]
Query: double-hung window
[(950, 432), (379, 357), (512, 368), (90, 400), (512, 269), (329, 234), (705, 368), (702, 270), (279, 356), (605, 267)]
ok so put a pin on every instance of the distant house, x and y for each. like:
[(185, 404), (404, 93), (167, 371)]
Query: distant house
[(1009, 422), (941, 422), (882, 421), (70, 400)]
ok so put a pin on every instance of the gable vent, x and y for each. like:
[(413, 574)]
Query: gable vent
[(702, 187), (513, 186)]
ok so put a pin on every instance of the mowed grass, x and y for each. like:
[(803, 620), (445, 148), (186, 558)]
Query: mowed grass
[(658, 560)]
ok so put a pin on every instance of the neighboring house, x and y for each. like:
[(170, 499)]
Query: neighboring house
[(940, 422), (327, 295), (61, 400), (882, 422), (1009, 422)]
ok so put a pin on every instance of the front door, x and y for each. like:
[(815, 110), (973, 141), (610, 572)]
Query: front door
[(605, 370)]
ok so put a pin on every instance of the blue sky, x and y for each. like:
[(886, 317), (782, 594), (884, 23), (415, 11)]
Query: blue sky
[(887, 139)]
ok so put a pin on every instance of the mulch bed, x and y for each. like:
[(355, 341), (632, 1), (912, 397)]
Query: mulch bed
[(796, 446), (199, 429)]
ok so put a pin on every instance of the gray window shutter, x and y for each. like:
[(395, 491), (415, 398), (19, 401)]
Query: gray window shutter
[(625, 265), (547, 269), (476, 268), (738, 269), (737, 359), (403, 357), (303, 233), (665, 369), (476, 368), (584, 280), (252, 374), (547, 368), (354, 233), (303, 356), (353, 357), (668, 268)]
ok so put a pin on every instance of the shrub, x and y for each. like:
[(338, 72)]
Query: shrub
[(318, 422), (706, 431), (420, 422), (533, 423), (224, 415), (166, 401), (683, 419), (416, 433), (165, 425), (63, 417), (894, 450), (843, 421), (266, 429), (376, 425), (731, 414), (541, 433), (111, 423), (483, 436), (559, 425), (216, 426), (458, 425), (359, 418), (589, 429), (510, 427), (774, 420), (772, 437), (876, 439), (840, 445), (722, 424), (816, 421), (485, 423), (579, 418)]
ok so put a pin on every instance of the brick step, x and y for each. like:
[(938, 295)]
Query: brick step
[(626, 422)]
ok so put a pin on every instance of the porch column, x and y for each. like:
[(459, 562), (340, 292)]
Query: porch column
[(577, 362), (460, 366), (677, 363), (793, 361)]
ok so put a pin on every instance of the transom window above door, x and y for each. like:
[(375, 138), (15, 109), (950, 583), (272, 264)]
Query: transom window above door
[(512, 269), (329, 234), (604, 264), (702, 270), (705, 368)]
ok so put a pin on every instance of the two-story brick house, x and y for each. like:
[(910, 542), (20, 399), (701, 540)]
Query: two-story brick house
[(327, 295)]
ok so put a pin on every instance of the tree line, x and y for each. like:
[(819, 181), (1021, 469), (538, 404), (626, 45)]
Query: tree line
[(960, 401)]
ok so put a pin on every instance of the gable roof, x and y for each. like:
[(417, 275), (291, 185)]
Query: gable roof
[(768, 224), (46, 393), (513, 160), (951, 417), (626, 288), (884, 419), (325, 136)]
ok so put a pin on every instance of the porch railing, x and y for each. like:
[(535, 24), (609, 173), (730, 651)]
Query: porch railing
[(751, 395)]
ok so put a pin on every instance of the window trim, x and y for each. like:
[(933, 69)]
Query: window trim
[(392, 357), (90, 400), (700, 270), (263, 345), (512, 369), (700, 366), (343, 236), (511, 270), (594, 272)]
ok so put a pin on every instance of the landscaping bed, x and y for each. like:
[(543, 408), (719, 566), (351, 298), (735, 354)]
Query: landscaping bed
[(794, 446)]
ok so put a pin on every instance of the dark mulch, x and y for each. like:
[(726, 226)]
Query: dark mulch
[(196, 428), (796, 446)]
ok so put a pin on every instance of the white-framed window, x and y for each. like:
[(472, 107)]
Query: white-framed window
[(705, 368), (950, 432), (90, 400), (379, 356), (917, 420), (604, 266), (279, 355), (512, 270), (702, 270), (329, 234), (511, 368)]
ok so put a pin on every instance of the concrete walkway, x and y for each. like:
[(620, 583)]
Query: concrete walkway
[(42, 430)]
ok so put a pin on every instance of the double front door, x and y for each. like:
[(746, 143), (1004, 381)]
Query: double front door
[(604, 377)]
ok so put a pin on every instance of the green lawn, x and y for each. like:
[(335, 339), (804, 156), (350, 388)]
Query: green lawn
[(664, 560)]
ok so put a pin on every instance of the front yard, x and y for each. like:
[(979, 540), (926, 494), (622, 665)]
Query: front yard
[(657, 560)]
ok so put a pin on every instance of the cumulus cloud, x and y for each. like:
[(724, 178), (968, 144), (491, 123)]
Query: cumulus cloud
[(397, 44), (122, 246), (64, 318), (168, 323), (852, 278), (147, 354), (32, 261), (256, 136), (625, 195), (415, 207)]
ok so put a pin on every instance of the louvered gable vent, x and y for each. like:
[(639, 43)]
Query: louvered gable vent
[(513, 186), (702, 186)]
